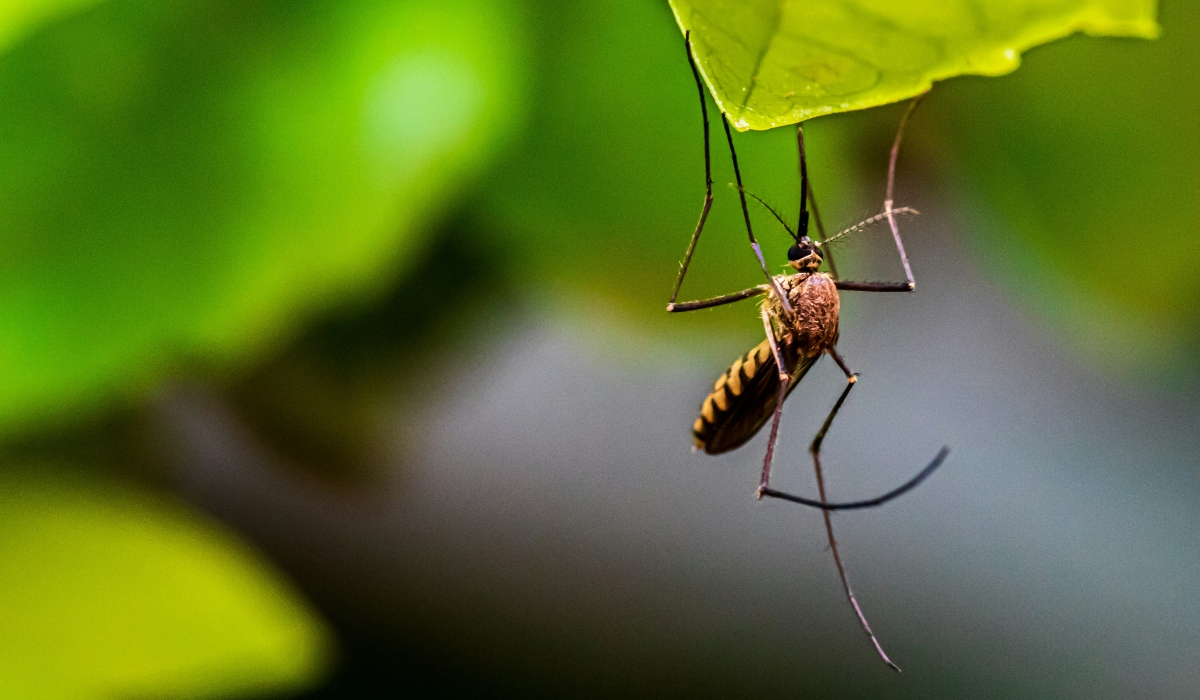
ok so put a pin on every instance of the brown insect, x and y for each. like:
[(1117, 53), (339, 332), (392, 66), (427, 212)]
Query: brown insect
[(800, 314)]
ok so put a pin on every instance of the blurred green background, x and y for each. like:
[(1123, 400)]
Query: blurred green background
[(333, 363)]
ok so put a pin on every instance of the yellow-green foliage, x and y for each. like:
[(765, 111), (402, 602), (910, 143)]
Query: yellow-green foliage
[(770, 63), (106, 592)]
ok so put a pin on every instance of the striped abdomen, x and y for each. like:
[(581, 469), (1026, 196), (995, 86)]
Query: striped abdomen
[(744, 397)]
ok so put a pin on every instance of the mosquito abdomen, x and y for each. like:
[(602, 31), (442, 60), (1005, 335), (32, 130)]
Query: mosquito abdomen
[(726, 393)]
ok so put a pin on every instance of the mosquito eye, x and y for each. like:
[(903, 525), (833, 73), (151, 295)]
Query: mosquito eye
[(797, 252)]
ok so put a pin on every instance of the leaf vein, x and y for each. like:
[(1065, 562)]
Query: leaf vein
[(761, 56)]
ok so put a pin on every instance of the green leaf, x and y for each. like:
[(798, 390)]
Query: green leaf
[(183, 181), (1085, 164), (599, 208), (106, 592), (770, 63)]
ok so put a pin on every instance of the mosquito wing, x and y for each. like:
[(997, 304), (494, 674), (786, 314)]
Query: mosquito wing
[(744, 397)]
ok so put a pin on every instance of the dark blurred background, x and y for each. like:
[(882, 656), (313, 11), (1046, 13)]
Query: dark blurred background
[(333, 364)]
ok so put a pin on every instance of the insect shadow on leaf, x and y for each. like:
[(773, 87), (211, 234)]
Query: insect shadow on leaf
[(800, 314)]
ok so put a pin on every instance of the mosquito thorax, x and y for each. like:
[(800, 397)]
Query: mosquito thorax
[(804, 256)]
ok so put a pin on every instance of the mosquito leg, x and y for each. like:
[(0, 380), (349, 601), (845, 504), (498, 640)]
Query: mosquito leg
[(815, 449), (765, 481), (889, 213), (718, 301), (808, 200), (783, 300), (764, 488), (764, 485), (826, 253), (889, 198), (802, 221), (837, 560), (869, 502), (708, 194), (874, 286)]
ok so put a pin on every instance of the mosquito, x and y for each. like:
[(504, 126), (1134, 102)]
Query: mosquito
[(800, 316)]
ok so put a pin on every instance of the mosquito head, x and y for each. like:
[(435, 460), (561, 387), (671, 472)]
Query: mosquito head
[(804, 256)]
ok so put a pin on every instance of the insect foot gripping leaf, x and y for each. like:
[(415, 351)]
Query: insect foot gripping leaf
[(770, 63)]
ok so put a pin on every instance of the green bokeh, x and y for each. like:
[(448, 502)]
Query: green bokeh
[(185, 185), (106, 592), (19, 17), (187, 180), (1086, 164), (598, 201)]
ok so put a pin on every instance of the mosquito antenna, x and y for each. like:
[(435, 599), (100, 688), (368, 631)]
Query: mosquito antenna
[(867, 222), (775, 214)]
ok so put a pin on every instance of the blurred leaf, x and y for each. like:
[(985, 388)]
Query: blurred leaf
[(183, 181), (335, 402), (770, 63), (599, 207), (107, 593), (1088, 164), (20, 16)]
